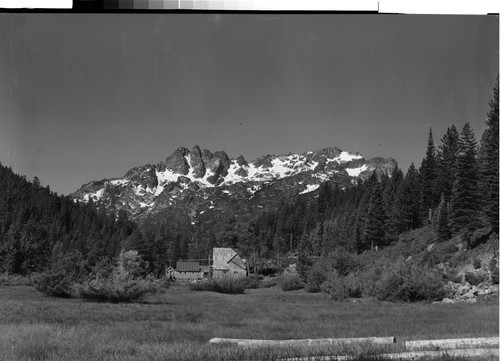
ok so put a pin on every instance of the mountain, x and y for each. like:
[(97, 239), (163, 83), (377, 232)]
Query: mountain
[(194, 182)]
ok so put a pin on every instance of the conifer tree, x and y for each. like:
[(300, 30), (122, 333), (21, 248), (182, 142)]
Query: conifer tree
[(376, 219), (324, 200), (406, 213), (305, 258), (464, 199), (489, 175), (446, 162), (443, 227), (390, 196), (428, 173)]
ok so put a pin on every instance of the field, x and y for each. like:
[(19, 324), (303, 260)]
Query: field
[(177, 324)]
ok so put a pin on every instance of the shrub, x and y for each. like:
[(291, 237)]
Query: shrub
[(221, 285), (60, 278), (252, 282), (335, 287), (494, 270), (408, 282), (440, 253), (291, 283), (14, 280), (353, 285), (474, 278), (120, 283), (318, 274), (118, 288), (479, 236), (268, 282), (343, 261), (476, 263)]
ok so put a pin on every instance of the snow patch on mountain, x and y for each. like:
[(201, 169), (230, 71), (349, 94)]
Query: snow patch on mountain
[(119, 182), (310, 188), (354, 172), (94, 196), (347, 157)]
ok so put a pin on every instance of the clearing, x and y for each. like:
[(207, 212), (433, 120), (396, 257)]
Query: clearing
[(177, 324)]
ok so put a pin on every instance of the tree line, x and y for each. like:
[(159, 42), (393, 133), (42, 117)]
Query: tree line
[(37, 227)]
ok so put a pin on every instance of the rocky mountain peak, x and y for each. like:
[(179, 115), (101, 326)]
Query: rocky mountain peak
[(203, 177)]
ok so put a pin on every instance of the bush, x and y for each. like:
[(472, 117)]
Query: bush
[(353, 285), (494, 270), (14, 280), (118, 288), (340, 260), (440, 253), (268, 282), (476, 263), (343, 261), (120, 283), (409, 283), (474, 278), (291, 283), (221, 285), (479, 236), (318, 274), (59, 279), (335, 287), (252, 282)]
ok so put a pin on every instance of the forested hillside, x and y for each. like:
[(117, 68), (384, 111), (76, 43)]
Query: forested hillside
[(37, 227)]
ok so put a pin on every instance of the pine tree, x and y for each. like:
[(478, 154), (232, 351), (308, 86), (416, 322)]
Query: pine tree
[(376, 219), (443, 227), (428, 172), (406, 214), (305, 257), (446, 162), (489, 175), (390, 195), (464, 199), (324, 200)]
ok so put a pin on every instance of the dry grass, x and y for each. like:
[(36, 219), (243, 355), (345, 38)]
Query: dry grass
[(178, 324)]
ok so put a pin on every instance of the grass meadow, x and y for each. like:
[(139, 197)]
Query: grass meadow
[(177, 324)]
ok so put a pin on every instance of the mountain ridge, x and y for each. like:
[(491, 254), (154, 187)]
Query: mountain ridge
[(200, 174)]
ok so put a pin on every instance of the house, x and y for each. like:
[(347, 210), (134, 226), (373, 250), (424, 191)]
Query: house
[(227, 263), (189, 270)]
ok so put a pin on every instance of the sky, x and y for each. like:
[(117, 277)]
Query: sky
[(88, 96)]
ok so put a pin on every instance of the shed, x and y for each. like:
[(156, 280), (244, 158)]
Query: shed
[(228, 263), (189, 270)]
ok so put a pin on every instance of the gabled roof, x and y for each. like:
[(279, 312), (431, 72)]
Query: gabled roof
[(235, 261), (187, 266)]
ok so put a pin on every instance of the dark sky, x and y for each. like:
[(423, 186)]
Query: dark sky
[(84, 97)]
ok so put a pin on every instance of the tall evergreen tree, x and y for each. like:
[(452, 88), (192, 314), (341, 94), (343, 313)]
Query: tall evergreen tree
[(406, 213), (325, 197), (376, 219), (489, 175), (443, 226), (446, 162), (428, 173), (390, 195), (464, 199)]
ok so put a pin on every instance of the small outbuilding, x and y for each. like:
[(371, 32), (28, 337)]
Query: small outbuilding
[(189, 270), (227, 263)]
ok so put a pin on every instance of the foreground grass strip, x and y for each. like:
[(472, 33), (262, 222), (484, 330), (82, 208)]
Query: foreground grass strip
[(452, 343), (306, 342), (483, 353)]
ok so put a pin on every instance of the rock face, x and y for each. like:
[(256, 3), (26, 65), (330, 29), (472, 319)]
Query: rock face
[(466, 292), (212, 181)]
